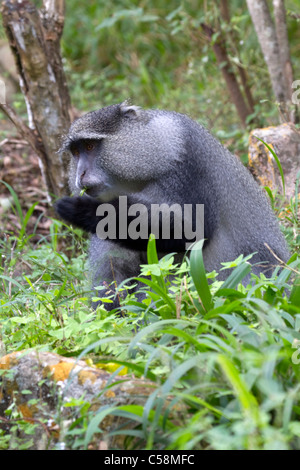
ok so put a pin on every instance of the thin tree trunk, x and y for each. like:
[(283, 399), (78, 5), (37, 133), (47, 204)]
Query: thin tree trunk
[(225, 14), (284, 49), (34, 40), (270, 46), (229, 76), (285, 57), (53, 18)]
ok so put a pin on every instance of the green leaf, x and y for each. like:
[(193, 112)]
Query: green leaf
[(159, 291), (270, 194), (277, 161), (152, 259), (237, 276), (150, 329), (16, 201), (247, 400), (295, 293), (26, 219), (93, 426), (198, 274), (122, 14)]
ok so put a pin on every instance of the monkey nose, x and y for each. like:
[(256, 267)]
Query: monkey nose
[(83, 181), (86, 183)]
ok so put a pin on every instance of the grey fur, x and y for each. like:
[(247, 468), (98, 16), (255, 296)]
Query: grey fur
[(164, 157)]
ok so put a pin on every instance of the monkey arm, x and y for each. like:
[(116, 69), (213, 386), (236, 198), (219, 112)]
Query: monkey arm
[(81, 212)]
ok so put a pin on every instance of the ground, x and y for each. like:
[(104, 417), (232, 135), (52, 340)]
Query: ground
[(19, 167)]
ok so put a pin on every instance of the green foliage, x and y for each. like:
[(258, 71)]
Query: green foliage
[(21, 432), (277, 162), (225, 357), (287, 212), (290, 214), (156, 54), (228, 357), (229, 361)]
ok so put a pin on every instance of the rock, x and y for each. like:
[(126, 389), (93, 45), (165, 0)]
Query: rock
[(40, 383), (285, 141)]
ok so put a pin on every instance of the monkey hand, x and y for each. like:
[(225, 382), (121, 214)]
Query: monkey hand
[(79, 211)]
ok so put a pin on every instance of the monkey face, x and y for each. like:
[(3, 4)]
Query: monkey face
[(85, 161), (121, 147), (90, 172)]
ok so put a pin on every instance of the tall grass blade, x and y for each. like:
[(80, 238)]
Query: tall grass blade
[(198, 274), (277, 162)]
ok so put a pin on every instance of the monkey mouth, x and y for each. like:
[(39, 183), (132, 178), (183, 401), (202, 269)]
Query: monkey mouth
[(92, 192), (103, 194)]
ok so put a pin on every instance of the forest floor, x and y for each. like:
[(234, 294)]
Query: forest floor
[(19, 167)]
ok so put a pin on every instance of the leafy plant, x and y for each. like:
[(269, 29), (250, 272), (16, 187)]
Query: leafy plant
[(224, 358)]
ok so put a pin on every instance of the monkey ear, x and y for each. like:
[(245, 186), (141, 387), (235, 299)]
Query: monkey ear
[(129, 111), (65, 145)]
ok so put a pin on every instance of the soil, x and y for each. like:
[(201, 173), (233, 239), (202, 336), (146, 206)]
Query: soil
[(19, 167)]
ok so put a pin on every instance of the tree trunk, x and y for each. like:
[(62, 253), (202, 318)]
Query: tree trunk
[(274, 45), (225, 14), (284, 50), (285, 57), (34, 38), (229, 76)]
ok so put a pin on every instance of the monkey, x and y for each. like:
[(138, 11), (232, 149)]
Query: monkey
[(124, 153)]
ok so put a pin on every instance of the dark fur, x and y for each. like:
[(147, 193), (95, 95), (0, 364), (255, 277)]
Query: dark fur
[(160, 157)]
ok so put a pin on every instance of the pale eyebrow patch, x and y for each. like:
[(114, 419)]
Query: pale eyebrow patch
[(169, 132)]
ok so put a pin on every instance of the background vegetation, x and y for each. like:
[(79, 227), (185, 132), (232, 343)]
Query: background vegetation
[(157, 54), (229, 355)]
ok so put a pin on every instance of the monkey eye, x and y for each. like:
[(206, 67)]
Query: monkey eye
[(75, 152), (90, 146)]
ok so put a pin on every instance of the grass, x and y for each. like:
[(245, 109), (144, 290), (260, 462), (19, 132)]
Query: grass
[(227, 355)]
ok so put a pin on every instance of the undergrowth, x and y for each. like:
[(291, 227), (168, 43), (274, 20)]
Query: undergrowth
[(226, 355)]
